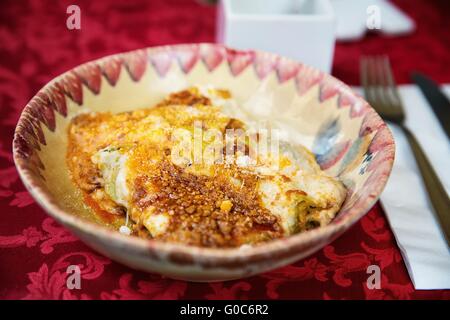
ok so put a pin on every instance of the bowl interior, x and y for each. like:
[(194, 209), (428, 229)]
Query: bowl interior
[(349, 139)]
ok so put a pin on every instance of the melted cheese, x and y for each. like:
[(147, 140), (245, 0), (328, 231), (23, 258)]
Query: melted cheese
[(210, 202)]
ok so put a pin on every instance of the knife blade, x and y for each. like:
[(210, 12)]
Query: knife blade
[(436, 99)]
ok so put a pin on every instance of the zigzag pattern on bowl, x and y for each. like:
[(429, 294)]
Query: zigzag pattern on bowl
[(40, 111)]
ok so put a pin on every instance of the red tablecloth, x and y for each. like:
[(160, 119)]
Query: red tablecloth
[(35, 46)]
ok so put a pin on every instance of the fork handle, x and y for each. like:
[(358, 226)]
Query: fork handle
[(436, 191)]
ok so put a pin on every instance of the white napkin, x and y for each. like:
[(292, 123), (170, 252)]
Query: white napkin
[(405, 199), (352, 17)]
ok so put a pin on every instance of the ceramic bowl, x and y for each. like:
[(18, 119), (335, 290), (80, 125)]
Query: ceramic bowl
[(348, 137)]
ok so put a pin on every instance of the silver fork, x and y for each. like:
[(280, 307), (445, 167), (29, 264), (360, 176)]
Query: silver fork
[(381, 92)]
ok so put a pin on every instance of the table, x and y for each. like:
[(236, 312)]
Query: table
[(35, 251)]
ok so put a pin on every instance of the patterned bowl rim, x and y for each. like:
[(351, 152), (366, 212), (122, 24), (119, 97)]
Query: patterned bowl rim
[(186, 254)]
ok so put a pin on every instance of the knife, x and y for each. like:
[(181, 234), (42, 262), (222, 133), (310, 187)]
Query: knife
[(436, 99)]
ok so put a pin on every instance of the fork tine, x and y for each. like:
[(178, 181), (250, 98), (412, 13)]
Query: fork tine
[(390, 85), (380, 82), (363, 70), (368, 80), (375, 83)]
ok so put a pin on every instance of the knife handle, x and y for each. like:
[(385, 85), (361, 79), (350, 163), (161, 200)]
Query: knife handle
[(436, 191)]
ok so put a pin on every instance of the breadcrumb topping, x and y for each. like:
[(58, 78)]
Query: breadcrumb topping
[(122, 163)]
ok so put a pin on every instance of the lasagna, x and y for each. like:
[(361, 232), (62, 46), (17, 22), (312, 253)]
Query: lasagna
[(173, 173)]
